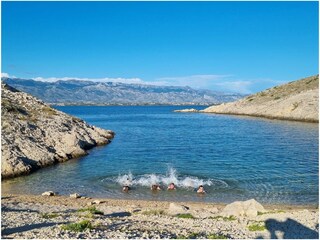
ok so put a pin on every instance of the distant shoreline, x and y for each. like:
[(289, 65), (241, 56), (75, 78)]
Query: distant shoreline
[(126, 105), (250, 115)]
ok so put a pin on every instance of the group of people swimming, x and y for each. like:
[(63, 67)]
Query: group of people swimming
[(171, 186)]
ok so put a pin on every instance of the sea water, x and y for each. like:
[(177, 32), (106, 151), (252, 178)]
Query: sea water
[(233, 157)]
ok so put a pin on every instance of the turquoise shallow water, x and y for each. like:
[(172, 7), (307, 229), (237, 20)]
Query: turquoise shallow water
[(234, 157)]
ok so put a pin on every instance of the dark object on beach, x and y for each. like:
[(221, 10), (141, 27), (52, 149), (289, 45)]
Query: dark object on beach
[(155, 187), (171, 186), (126, 188)]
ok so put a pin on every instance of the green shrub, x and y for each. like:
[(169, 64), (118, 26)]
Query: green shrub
[(78, 227), (185, 215), (258, 226), (92, 210), (230, 218), (49, 111), (190, 236), (154, 212), (270, 212), (216, 236), (276, 98), (49, 215)]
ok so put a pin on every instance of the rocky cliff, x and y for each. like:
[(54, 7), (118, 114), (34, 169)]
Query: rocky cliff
[(297, 100), (35, 135)]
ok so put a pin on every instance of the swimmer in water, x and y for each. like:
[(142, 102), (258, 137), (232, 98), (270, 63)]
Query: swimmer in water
[(201, 189), (155, 187), (126, 189), (171, 186)]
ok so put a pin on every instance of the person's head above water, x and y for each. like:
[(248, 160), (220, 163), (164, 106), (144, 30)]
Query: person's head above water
[(171, 186), (125, 188), (201, 189), (155, 187)]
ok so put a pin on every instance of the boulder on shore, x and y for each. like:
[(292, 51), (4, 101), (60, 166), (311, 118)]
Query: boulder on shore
[(75, 195), (249, 208), (175, 209), (48, 193)]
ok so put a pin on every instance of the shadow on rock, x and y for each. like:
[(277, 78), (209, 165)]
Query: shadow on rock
[(291, 229)]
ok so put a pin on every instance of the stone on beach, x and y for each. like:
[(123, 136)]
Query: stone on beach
[(118, 223), (98, 201), (249, 208), (75, 195), (48, 193), (176, 209)]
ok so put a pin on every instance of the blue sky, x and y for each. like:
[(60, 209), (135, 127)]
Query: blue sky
[(226, 46)]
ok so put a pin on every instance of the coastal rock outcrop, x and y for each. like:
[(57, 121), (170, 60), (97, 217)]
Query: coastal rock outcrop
[(249, 208), (35, 135), (297, 100)]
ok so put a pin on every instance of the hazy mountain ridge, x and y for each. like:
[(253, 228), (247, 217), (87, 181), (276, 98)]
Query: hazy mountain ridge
[(77, 92)]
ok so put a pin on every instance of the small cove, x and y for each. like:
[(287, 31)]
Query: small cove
[(234, 157)]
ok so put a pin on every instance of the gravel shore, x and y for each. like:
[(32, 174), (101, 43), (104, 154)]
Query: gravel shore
[(51, 217)]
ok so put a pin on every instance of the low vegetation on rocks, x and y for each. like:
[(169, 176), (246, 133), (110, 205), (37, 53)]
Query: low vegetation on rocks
[(297, 100), (91, 210), (257, 226), (78, 227), (185, 215), (119, 222)]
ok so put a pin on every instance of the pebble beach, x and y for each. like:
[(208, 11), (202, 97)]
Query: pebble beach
[(63, 217)]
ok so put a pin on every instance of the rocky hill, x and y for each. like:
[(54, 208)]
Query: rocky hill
[(297, 100), (76, 92), (35, 135)]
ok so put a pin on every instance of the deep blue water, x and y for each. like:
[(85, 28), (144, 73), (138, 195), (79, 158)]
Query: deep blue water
[(234, 157)]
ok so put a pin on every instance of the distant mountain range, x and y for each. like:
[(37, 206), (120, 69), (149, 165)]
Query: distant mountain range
[(78, 92)]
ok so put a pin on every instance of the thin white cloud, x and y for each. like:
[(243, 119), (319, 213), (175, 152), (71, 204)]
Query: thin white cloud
[(195, 81), (236, 86), (6, 75), (207, 77)]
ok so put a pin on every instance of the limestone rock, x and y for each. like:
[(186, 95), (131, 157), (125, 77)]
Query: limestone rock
[(249, 208), (98, 201), (297, 100), (34, 135), (75, 195), (176, 209), (48, 193)]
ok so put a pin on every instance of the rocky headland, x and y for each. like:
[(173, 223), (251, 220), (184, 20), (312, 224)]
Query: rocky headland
[(34, 135), (297, 100), (62, 217)]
